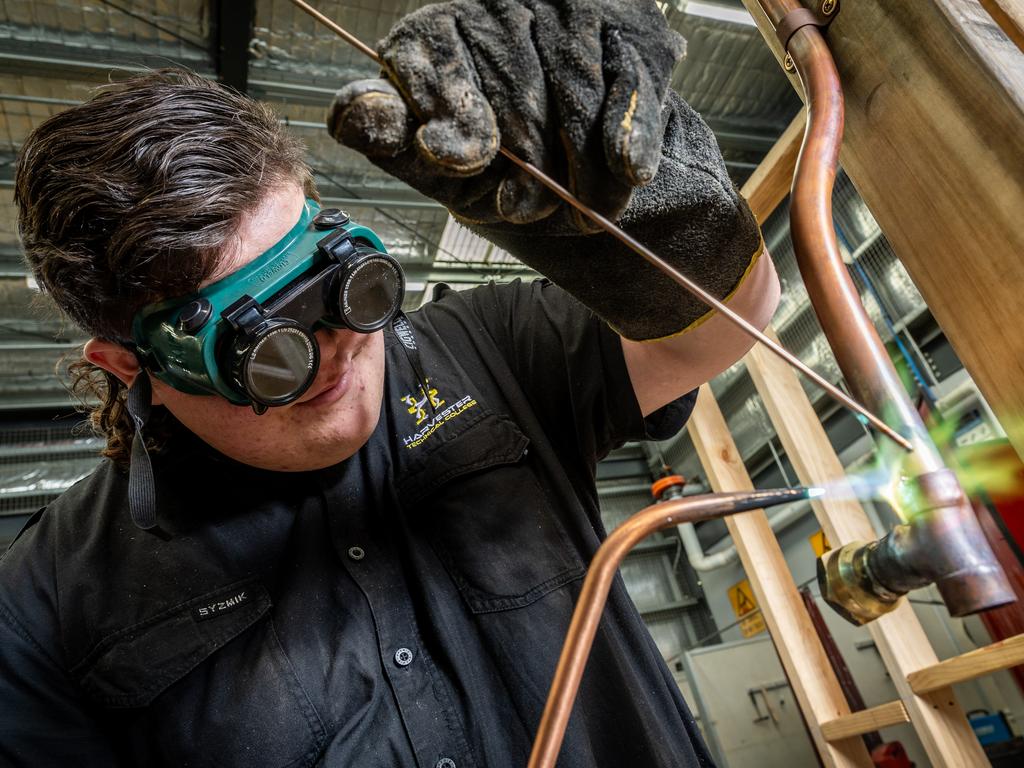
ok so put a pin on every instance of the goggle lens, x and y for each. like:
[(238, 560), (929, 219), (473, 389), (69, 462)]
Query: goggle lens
[(281, 365), (371, 294)]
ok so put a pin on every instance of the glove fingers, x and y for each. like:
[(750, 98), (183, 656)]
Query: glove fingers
[(509, 70), (371, 117), (593, 183), (427, 59), (521, 199), (632, 128)]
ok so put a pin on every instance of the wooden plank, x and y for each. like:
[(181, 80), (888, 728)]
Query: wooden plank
[(810, 674), (1009, 15), (937, 717), (934, 140), (770, 182), (865, 721), (967, 666)]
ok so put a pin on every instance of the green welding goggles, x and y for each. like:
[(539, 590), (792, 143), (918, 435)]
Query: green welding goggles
[(250, 336)]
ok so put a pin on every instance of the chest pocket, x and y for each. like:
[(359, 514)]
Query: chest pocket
[(205, 684), (478, 500)]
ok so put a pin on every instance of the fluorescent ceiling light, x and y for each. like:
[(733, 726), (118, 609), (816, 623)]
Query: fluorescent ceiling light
[(720, 13)]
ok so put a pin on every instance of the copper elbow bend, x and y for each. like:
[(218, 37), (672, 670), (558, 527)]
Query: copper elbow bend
[(598, 582), (941, 543)]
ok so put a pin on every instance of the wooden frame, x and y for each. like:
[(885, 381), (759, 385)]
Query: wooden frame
[(811, 676), (926, 699), (872, 719), (934, 94)]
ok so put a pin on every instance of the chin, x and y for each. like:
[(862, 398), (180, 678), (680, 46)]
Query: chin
[(338, 439)]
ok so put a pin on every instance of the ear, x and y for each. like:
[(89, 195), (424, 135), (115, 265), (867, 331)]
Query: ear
[(117, 360), (114, 358)]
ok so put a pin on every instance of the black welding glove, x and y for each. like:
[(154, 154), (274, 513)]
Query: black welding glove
[(575, 87)]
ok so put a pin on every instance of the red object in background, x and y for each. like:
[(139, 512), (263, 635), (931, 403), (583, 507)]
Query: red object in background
[(1009, 500), (890, 755), (1004, 531)]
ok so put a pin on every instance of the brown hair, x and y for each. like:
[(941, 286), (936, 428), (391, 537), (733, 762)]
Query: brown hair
[(130, 197)]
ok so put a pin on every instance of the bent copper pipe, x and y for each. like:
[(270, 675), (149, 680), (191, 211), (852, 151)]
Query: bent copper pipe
[(598, 582), (942, 541)]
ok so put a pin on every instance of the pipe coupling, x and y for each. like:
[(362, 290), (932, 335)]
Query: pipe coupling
[(941, 544), (846, 584)]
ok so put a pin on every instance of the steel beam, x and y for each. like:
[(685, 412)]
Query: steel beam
[(230, 34), (66, 62)]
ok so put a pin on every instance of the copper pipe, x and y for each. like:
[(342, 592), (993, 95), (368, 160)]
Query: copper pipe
[(859, 350), (596, 586), (651, 257), (943, 544), (942, 541)]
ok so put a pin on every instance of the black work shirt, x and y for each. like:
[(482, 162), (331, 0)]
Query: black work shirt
[(404, 608)]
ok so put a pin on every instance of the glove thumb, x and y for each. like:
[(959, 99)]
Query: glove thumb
[(371, 117)]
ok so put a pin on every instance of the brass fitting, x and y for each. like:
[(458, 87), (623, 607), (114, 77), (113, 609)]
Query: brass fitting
[(847, 586), (942, 544)]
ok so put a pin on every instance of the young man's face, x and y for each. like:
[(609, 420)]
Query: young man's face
[(336, 415)]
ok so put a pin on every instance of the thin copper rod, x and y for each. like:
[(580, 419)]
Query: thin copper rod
[(601, 573), (657, 261), (338, 30), (707, 298)]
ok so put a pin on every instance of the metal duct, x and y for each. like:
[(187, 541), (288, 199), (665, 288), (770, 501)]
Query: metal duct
[(730, 76), (150, 32)]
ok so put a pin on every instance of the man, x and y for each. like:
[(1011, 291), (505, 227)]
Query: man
[(381, 570)]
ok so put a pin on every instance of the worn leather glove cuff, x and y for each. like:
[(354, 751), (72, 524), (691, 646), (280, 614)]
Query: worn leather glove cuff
[(690, 214)]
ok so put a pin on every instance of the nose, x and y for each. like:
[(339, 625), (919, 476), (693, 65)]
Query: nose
[(337, 343)]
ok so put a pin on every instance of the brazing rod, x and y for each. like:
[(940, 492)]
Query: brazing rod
[(610, 227)]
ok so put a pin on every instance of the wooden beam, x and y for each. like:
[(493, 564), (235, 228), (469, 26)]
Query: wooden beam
[(810, 674), (967, 666), (865, 721), (1009, 15), (938, 719), (934, 139), (770, 182)]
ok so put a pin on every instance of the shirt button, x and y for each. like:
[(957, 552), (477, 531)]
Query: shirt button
[(356, 553), (403, 658), (445, 762)]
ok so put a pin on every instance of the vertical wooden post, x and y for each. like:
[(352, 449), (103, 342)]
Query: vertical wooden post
[(807, 667), (937, 717), (934, 139)]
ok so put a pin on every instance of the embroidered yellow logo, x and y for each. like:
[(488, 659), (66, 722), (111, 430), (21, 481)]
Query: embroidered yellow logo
[(417, 405), (440, 413)]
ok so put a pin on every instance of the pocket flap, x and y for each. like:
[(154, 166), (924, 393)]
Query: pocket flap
[(132, 666), (489, 441)]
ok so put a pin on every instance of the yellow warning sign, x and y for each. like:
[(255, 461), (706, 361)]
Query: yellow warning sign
[(745, 606), (819, 543)]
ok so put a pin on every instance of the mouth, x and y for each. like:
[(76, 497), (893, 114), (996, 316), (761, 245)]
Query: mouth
[(339, 381), (335, 388)]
